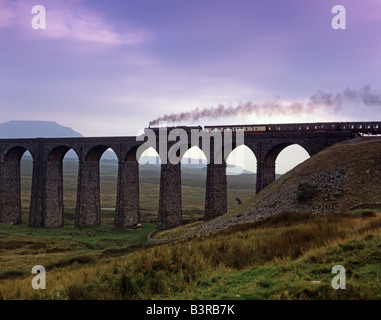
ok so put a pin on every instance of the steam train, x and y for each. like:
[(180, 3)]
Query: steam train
[(372, 128), (360, 127)]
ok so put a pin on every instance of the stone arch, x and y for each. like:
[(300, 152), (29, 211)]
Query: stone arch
[(216, 151), (135, 155), (290, 157), (244, 155), (57, 154), (95, 153), (266, 169), (193, 165), (132, 154), (170, 201), (210, 143), (239, 161), (127, 211), (10, 185), (54, 187), (149, 175), (15, 154), (177, 149), (216, 179), (273, 153), (88, 208), (194, 149)]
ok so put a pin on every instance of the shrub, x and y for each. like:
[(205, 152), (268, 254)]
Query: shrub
[(79, 292), (128, 288), (306, 192), (368, 213)]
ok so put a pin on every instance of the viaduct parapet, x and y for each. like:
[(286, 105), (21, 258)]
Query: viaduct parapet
[(46, 207)]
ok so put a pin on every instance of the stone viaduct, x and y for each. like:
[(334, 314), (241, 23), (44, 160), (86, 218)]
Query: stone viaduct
[(46, 207)]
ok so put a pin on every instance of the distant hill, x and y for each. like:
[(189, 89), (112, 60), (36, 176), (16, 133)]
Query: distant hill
[(35, 129)]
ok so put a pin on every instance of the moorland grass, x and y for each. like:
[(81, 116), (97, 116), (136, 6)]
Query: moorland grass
[(274, 259)]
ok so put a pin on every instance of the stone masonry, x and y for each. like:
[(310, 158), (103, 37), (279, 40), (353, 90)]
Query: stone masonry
[(46, 206)]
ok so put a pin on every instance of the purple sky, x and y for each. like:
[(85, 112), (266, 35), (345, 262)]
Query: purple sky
[(109, 67)]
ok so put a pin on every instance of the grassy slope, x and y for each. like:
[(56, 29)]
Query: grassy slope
[(357, 161), (274, 259), (22, 247), (345, 174)]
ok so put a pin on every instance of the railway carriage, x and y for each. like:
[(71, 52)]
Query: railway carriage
[(372, 127), (360, 127), (364, 127)]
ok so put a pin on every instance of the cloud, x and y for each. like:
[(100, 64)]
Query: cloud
[(10, 11), (70, 20), (84, 25), (367, 11)]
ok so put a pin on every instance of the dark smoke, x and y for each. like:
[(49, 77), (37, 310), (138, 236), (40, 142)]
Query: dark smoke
[(329, 101)]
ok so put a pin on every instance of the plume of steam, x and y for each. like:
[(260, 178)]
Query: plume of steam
[(329, 101)]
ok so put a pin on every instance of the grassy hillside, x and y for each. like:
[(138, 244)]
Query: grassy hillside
[(289, 256), (22, 247), (333, 181)]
